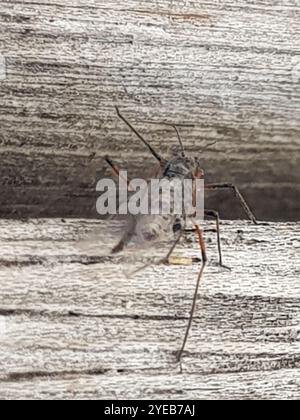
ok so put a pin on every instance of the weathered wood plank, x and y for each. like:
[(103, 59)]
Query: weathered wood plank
[(230, 68), (72, 325), (267, 385)]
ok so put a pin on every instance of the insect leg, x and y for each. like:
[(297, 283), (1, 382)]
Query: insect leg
[(204, 262), (238, 195), (216, 216), (176, 242)]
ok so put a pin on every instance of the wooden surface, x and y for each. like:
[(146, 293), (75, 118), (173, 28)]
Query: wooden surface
[(73, 325), (231, 68)]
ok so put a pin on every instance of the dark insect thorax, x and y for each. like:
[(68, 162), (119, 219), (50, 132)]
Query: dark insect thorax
[(179, 167)]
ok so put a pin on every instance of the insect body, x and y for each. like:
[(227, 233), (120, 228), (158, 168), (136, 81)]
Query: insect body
[(150, 228), (164, 224)]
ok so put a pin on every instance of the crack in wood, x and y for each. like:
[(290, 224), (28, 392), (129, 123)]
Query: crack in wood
[(72, 314), (30, 376), (174, 16), (32, 261)]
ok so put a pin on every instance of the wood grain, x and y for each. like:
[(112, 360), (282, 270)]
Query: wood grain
[(74, 325), (230, 68)]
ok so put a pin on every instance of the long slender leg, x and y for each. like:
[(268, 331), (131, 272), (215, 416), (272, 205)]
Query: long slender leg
[(216, 216), (204, 262), (176, 242), (238, 195)]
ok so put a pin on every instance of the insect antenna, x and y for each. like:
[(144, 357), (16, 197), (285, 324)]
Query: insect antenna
[(180, 141), (116, 172), (156, 155), (112, 165)]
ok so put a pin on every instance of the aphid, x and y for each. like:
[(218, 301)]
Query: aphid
[(152, 228)]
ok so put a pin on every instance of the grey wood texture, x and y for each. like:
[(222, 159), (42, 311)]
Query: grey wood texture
[(231, 68), (74, 325)]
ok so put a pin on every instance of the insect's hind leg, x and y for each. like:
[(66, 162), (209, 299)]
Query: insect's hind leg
[(238, 195), (214, 214), (204, 262)]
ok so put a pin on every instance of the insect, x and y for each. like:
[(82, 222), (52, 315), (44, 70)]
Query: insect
[(152, 228)]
